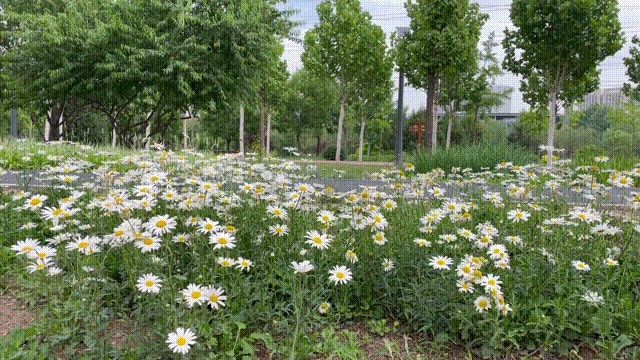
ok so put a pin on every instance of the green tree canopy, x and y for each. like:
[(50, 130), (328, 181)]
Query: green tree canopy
[(556, 46), (633, 70), (342, 46), (442, 45)]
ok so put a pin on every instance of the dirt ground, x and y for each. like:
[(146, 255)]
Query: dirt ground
[(13, 314)]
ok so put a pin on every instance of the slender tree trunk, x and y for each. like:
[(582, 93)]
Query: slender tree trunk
[(431, 122), (553, 107), (474, 132), (449, 126), (361, 141), (114, 137), (298, 142), (185, 140), (147, 132), (241, 135), (343, 104), (268, 140), (318, 138), (61, 126), (47, 129), (261, 120)]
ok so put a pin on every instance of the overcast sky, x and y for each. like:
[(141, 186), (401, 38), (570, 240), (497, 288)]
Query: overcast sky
[(390, 14)]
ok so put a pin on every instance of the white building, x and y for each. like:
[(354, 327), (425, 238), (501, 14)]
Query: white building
[(608, 97)]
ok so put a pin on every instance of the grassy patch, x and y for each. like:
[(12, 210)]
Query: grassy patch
[(477, 157)]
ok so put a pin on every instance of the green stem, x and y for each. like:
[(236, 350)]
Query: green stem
[(296, 309)]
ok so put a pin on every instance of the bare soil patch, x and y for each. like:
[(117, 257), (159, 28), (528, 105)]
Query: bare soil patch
[(13, 314)]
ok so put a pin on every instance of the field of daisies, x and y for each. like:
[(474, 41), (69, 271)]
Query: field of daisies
[(222, 257)]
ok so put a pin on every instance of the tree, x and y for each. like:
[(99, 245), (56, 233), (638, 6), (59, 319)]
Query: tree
[(633, 70), (556, 47), (141, 61), (310, 104), (442, 42), (372, 95), (337, 48), (481, 96)]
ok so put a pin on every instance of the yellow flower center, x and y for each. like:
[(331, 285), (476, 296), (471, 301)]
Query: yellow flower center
[(56, 212), (148, 241), (441, 262), (181, 341), (213, 298), (317, 240), (208, 226), (34, 201), (83, 244), (340, 275), (196, 294), (223, 241), (148, 283), (161, 224), (482, 303)]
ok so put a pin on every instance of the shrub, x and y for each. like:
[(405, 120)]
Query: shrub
[(493, 132), (329, 153), (570, 139), (618, 142)]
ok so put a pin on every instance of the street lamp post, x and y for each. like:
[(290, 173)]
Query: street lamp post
[(401, 31)]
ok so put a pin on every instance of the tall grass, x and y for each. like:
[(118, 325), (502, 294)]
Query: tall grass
[(476, 157)]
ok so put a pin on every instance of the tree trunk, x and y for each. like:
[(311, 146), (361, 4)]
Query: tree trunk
[(343, 104), (241, 134), (147, 132), (53, 121), (474, 132), (318, 145), (361, 141), (298, 142), (449, 126), (268, 140), (61, 126), (431, 123), (185, 140), (553, 108), (261, 122), (114, 137), (47, 130)]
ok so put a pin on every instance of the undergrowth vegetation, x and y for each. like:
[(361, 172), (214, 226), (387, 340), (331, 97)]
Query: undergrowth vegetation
[(478, 157), (224, 258)]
